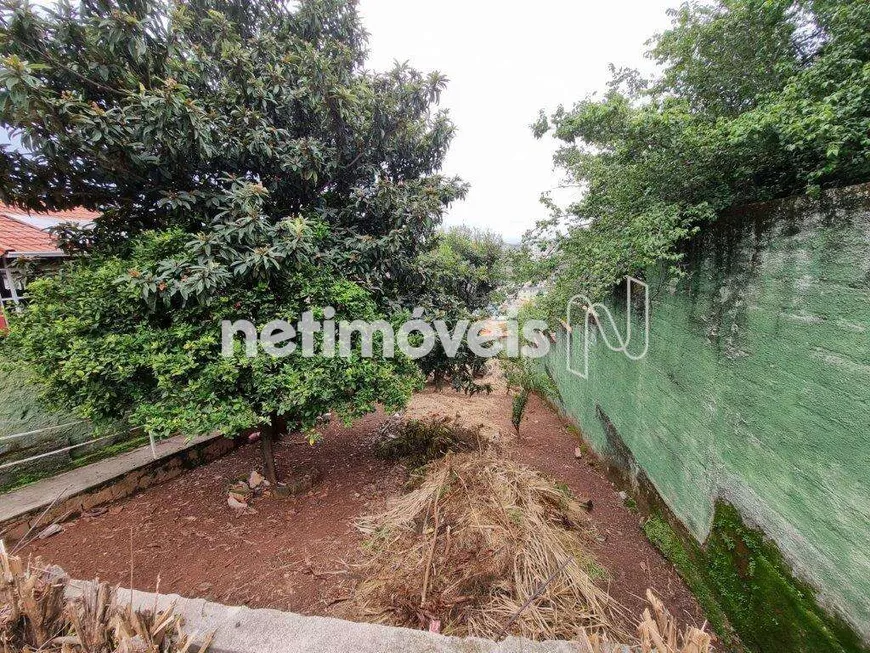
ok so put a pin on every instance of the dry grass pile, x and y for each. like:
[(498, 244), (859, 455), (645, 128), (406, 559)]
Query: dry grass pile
[(417, 442), (35, 615), (470, 547), (658, 634)]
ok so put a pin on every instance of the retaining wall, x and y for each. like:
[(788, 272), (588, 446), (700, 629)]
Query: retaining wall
[(69, 494), (755, 390), (22, 412)]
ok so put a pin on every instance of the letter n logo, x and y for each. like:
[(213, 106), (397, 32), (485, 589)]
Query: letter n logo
[(581, 304)]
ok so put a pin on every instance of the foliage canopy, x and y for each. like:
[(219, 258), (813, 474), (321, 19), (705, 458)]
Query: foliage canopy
[(147, 110), (466, 266), (755, 99), (246, 166)]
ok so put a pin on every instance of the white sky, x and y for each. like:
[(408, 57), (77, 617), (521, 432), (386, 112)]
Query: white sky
[(505, 60)]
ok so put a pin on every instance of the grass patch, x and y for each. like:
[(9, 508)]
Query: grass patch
[(564, 489), (21, 410)]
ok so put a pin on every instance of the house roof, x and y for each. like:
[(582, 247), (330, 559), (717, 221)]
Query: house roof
[(25, 233)]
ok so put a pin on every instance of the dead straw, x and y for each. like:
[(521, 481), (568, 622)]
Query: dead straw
[(37, 615), (24, 541), (532, 598), (509, 528), (497, 529)]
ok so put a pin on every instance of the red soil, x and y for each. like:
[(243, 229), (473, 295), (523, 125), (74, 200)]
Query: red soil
[(297, 553)]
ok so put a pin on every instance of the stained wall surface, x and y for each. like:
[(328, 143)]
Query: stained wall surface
[(755, 388)]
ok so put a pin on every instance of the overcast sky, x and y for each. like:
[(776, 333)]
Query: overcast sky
[(506, 60)]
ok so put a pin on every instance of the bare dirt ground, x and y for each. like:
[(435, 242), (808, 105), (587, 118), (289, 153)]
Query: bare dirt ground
[(298, 553)]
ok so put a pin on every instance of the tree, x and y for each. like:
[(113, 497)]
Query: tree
[(98, 347), (723, 58), (468, 264), (756, 99), (465, 268), (142, 110), (246, 166)]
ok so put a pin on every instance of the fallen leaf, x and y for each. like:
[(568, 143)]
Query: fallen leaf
[(235, 504), (255, 480)]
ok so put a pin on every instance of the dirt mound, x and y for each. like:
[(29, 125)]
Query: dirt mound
[(471, 549)]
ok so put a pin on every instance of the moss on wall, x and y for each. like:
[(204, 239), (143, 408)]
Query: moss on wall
[(744, 585), (755, 391)]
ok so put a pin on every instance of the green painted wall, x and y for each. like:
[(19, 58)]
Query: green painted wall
[(756, 389)]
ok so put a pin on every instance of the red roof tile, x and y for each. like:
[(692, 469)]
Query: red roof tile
[(24, 232), (71, 215), (18, 237)]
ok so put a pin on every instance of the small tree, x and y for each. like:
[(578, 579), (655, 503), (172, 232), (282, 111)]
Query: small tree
[(467, 264), (465, 267), (527, 376)]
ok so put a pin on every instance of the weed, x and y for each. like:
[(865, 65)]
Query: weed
[(418, 442)]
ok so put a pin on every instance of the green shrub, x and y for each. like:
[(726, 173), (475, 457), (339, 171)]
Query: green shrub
[(418, 442)]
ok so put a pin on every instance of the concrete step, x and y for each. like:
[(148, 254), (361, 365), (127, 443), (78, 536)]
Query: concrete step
[(238, 629), (103, 481)]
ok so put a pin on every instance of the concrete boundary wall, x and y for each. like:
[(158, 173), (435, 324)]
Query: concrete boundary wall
[(238, 629), (22, 412), (104, 481), (756, 388)]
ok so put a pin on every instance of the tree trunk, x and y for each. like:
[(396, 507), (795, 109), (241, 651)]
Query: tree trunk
[(280, 423), (267, 441)]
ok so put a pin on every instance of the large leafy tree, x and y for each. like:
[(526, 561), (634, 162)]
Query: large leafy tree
[(141, 109), (755, 99), (246, 165)]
